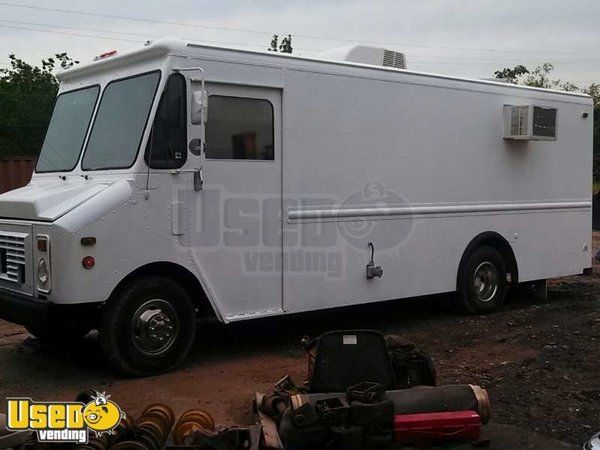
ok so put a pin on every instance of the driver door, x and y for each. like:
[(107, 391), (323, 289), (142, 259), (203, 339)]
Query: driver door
[(237, 231)]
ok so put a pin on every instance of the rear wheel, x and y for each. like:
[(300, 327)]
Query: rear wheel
[(482, 281), (148, 327)]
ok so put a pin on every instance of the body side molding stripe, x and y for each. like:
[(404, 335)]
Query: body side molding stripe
[(342, 213)]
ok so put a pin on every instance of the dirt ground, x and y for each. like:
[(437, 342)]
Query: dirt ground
[(539, 361)]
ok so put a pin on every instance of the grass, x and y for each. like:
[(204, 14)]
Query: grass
[(596, 186)]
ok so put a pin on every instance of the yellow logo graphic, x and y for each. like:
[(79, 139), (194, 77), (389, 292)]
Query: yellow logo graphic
[(102, 415), (64, 421)]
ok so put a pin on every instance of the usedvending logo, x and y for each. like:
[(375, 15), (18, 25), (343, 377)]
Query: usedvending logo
[(64, 421)]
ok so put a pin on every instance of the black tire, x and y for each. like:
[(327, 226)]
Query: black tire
[(127, 338), (489, 264), (57, 333)]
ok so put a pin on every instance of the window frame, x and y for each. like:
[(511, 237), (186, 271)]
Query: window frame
[(146, 157), (272, 127), (87, 130), (144, 129)]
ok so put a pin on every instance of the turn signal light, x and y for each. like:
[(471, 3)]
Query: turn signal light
[(42, 245), (88, 262), (88, 241)]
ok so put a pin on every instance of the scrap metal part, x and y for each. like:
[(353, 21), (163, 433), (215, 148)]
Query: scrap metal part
[(149, 432), (190, 422), (422, 399)]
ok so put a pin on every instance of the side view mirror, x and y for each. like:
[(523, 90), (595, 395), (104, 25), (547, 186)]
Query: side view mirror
[(199, 107)]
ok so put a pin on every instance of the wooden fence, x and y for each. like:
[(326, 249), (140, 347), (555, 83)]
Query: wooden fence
[(15, 172)]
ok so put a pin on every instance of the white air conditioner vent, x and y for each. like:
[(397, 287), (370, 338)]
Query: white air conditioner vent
[(528, 122), (394, 59), (365, 54), (518, 120)]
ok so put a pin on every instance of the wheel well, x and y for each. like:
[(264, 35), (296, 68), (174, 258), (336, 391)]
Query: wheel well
[(497, 242), (178, 273)]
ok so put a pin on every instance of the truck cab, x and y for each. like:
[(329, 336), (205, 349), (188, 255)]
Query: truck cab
[(99, 221)]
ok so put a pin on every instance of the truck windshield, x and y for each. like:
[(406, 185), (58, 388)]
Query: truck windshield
[(66, 131), (120, 121)]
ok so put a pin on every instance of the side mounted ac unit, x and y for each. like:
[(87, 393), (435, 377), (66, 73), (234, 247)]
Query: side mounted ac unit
[(529, 122)]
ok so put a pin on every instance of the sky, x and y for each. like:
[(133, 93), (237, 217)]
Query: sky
[(468, 38)]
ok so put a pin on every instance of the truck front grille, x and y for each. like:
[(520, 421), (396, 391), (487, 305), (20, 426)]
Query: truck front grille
[(12, 257)]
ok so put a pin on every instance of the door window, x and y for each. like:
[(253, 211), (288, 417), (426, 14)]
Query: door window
[(167, 145), (239, 128)]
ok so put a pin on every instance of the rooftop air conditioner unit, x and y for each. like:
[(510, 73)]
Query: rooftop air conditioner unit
[(364, 54)]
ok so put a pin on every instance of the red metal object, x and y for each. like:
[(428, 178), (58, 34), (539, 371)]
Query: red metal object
[(429, 428), (105, 55)]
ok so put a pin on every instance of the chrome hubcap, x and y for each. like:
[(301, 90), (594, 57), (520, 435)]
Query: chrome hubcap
[(154, 327), (486, 281)]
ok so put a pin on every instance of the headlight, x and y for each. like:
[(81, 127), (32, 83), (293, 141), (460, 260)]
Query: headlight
[(42, 272)]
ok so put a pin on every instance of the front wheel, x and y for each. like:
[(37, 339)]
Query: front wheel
[(148, 327), (482, 281)]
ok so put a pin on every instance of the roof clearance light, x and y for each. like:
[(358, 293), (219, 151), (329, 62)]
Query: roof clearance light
[(105, 55)]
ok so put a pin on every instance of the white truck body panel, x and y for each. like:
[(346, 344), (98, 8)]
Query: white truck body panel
[(414, 163)]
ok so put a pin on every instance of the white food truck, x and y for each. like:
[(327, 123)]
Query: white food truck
[(181, 182)]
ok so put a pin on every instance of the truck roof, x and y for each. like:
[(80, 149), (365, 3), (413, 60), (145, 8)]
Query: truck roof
[(175, 47)]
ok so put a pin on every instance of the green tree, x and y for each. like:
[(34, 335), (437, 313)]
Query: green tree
[(284, 47), (274, 46), (566, 86), (27, 94), (511, 75), (540, 77), (286, 44), (594, 91)]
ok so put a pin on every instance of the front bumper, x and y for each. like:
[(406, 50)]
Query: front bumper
[(22, 309), (30, 312)]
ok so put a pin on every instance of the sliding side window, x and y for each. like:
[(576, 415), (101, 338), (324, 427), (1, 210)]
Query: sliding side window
[(239, 128)]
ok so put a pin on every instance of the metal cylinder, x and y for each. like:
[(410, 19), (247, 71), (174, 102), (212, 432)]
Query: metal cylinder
[(161, 411), (423, 399), (464, 397), (158, 419), (189, 423), (150, 431)]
